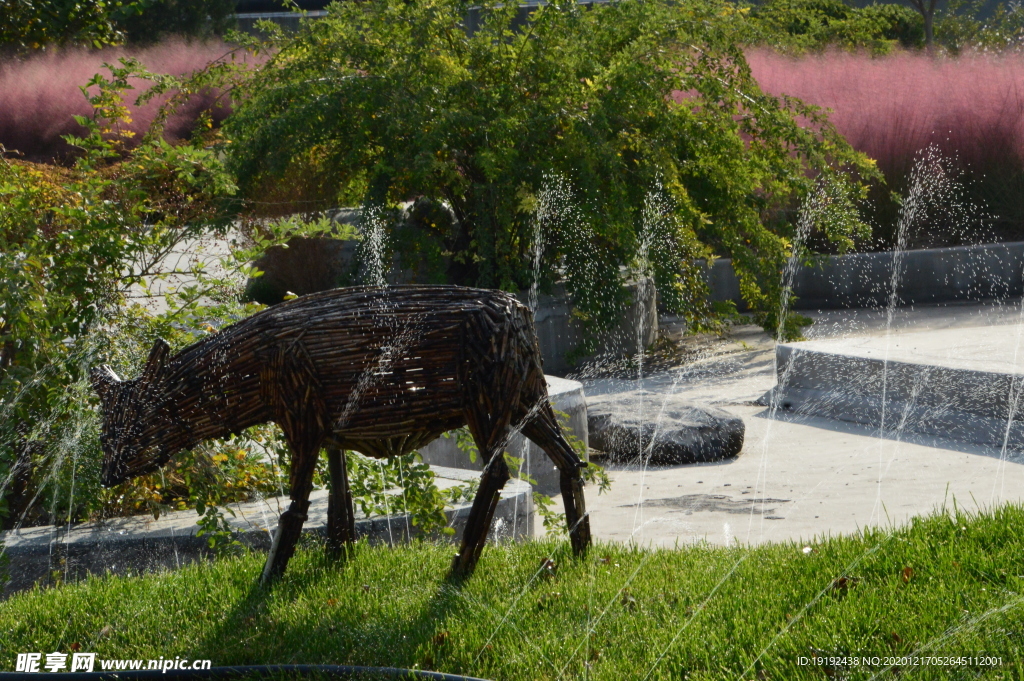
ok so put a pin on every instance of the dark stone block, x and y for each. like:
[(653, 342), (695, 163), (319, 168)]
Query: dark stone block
[(671, 431)]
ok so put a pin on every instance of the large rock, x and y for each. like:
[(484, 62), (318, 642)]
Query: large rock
[(682, 432)]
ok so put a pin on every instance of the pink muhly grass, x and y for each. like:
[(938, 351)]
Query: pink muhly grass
[(971, 107), (40, 95)]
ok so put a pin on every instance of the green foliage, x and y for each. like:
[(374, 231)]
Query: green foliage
[(802, 25), (80, 248), (220, 536), (806, 25), (197, 19), (465, 442), (73, 244), (270, 238), (373, 482), (212, 475), (39, 24), (35, 24), (899, 23), (620, 107), (958, 27), (543, 505)]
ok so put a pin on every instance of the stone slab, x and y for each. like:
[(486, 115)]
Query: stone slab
[(566, 396), (141, 544), (962, 384)]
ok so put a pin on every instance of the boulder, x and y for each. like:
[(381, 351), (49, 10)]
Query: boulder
[(682, 432)]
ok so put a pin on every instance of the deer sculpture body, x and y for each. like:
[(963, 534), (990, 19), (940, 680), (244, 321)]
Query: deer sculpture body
[(382, 371)]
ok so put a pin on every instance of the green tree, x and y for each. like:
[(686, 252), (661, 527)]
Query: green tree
[(27, 25), (962, 26), (926, 8), (35, 24), (644, 111), (800, 25), (199, 19)]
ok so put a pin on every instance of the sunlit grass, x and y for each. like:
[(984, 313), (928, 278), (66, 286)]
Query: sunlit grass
[(947, 585)]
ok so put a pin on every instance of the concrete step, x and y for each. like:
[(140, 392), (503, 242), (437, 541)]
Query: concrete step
[(962, 383)]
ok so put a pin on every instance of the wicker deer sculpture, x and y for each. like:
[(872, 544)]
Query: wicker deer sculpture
[(382, 371)]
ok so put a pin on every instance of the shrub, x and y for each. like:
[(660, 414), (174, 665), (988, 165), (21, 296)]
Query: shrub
[(192, 19), (962, 26), (31, 25), (802, 25), (72, 244), (387, 101)]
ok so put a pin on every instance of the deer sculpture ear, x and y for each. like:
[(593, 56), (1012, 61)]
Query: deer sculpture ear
[(157, 358), (103, 380)]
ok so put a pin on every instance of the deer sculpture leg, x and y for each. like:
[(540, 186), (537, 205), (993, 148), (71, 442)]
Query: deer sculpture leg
[(491, 399), (341, 520), (289, 525), (542, 428), (494, 477)]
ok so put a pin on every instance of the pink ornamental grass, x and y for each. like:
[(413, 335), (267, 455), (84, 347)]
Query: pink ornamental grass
[(40, 95), (971, 107)]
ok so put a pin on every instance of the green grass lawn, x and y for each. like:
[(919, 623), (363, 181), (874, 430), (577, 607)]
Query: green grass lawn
[(943, 586)]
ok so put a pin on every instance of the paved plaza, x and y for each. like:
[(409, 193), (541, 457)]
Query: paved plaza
[(800, 477)]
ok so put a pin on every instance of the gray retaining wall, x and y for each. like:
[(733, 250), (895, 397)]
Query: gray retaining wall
[(927, 276), (559, 332), (959, 403)]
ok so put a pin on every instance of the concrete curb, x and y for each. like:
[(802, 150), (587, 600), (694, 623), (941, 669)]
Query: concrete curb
[(140, 544)]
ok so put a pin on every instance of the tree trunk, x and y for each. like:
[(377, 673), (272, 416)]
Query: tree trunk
[(927, 10)]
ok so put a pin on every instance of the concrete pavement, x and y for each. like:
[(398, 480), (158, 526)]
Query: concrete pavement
[(799, 477)]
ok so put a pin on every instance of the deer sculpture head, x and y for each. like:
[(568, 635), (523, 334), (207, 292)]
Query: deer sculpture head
[(135, 431)]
